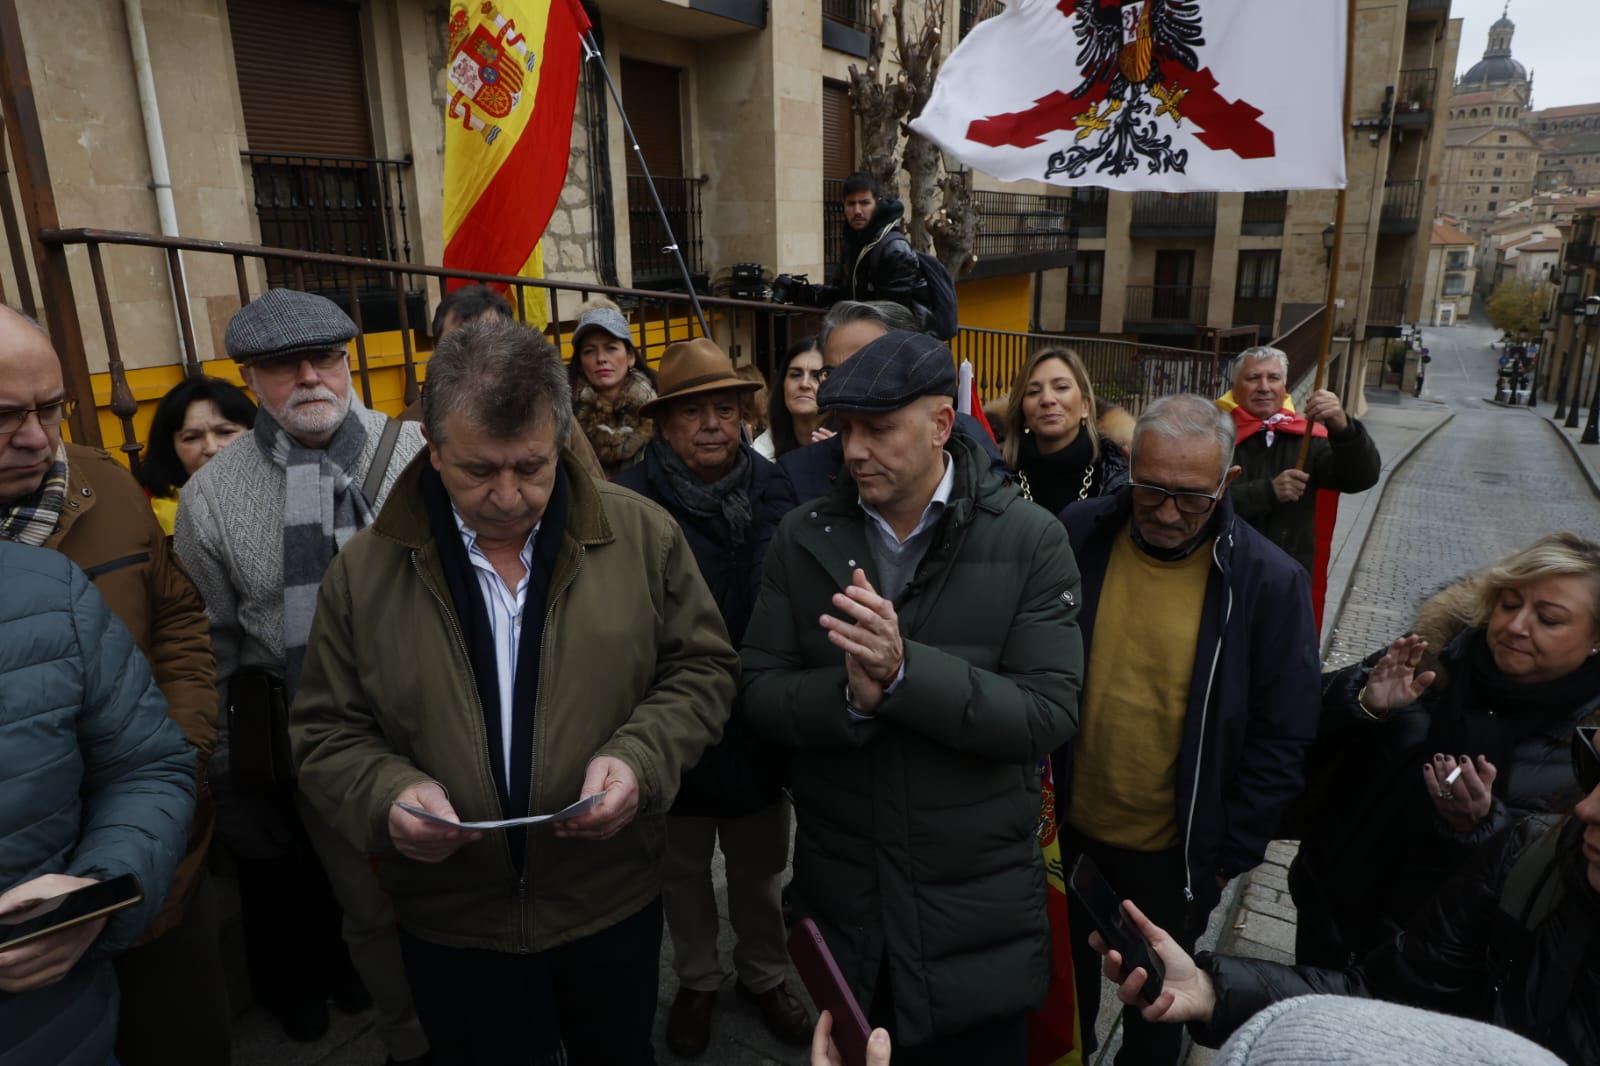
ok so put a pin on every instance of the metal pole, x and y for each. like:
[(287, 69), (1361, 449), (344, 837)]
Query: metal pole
[(590, 51), (1334, 254)]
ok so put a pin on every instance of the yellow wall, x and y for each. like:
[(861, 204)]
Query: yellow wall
[(996, 303)]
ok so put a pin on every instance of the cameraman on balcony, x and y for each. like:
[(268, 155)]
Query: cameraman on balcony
[(878, 261)]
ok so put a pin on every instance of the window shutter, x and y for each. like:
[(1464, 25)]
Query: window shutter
[(650, 93), (302, 82), (838, 132)]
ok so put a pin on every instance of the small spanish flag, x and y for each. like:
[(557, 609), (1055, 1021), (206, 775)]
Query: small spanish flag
[(1053, 1030), (513, 81)]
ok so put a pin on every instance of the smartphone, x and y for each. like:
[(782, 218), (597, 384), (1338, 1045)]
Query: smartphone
[(68, 909), (829, 992), (1104, 905)]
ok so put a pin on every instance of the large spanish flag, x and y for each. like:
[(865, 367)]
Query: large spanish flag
[(513, 74)]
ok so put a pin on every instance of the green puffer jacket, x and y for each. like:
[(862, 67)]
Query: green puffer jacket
[(916, 828), (636, 664)]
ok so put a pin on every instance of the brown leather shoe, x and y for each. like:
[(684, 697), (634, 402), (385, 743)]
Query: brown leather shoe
[(786, 1018), (689, 1023)]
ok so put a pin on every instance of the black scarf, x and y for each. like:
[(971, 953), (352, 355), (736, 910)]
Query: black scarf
[(1056, 479), (725, 503)]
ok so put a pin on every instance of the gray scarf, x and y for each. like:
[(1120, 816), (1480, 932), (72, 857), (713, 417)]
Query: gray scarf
[(726, 500), (322, 509)]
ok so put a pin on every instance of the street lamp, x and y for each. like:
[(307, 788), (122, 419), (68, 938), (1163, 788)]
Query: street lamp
[(1580, 337), (1591, 432), (1327, 244)]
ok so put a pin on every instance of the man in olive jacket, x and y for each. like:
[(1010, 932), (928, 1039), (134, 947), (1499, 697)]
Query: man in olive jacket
[(916, 642), (508, 637)]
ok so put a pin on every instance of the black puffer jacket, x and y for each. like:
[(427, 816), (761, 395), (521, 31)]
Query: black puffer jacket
[(1535, 972), (879, 264), (742, 773), (1373, 850)]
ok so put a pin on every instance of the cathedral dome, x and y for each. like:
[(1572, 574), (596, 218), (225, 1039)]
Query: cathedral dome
[(1495, 70)]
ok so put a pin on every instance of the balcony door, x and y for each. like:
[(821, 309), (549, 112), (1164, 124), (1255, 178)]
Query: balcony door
[(652, 94), (303, 91), (838, 163), (1174, 284)]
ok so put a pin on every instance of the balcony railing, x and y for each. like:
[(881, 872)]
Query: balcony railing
[(975, 11), (1083, 304), (1016, 224), (1167, 303), (832, 225), (855, 14), (1582, 255), (1264, 212), (1415, 91), (1170, 211), (653, 262), (1387, 306), (339, 205), (1089, 208), (1402, 206)]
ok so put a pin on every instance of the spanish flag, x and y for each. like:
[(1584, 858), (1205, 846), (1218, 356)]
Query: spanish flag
[(513, 80), (1053, 1030)]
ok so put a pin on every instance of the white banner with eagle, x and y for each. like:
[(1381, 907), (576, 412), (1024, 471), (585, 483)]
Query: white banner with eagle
[(1161, 95)]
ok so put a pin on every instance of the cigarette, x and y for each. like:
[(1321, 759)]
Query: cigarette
[(1453, 775)]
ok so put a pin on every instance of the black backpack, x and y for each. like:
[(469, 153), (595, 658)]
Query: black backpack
[(942, 318)]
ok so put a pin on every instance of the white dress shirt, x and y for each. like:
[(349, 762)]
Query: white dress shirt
[(504, 607)]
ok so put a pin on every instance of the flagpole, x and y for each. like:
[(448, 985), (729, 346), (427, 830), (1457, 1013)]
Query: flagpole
[(590, 51), (1338, 224)]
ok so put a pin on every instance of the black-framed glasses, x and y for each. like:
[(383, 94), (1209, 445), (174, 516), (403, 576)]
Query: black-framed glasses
[(50, 414), (1153, 496), (283, 366), (1585, 759)]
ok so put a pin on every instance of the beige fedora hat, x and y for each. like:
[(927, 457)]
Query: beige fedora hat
[(691, 367)]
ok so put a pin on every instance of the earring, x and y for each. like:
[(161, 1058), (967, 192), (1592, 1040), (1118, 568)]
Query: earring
[(1026, 430)]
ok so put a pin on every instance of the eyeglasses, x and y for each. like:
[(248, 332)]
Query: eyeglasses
[(50, 414), (1585, 759), (284, 366), (1153, 496)]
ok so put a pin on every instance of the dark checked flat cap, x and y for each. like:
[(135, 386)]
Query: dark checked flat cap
[(889, 373), (285, 321)]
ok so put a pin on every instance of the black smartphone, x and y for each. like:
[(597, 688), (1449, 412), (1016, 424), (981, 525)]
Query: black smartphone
[(825, 982), (1104, 905), (68, 909)]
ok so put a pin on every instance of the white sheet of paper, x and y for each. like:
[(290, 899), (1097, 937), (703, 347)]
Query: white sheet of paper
[(583, 806)]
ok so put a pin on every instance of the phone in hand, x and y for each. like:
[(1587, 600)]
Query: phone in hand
[(1104, 906), (46, 916), (825, 982)]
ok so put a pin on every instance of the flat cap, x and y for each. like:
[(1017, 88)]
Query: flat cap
[(285, 321), (890, 372)]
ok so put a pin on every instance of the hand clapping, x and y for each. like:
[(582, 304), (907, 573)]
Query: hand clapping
[(873, 650)]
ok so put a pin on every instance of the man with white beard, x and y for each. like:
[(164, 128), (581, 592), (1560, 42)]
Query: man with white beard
[(257, 527)]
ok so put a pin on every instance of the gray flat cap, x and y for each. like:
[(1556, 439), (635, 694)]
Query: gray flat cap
[(890, 372), (605, 320), (285, 321)]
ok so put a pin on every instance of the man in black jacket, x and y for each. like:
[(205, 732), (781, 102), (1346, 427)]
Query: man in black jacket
[(1197, 715), (729, 500), (878, 261)]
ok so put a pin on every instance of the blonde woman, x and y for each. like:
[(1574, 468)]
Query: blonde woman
[(1052, 441)]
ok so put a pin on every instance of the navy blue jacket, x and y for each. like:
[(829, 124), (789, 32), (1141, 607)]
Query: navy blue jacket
[(1255, 697), (814, 467), (742, 773)]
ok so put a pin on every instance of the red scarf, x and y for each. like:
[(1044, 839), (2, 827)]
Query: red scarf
[(1285, 421)]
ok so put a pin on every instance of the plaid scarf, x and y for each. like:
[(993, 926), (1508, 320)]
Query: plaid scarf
[(32, 519), (322, 509)]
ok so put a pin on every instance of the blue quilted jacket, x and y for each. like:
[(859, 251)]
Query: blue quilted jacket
[(95, 781)]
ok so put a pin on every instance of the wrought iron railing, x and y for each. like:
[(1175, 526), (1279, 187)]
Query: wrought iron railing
[(653, 262), (1194, 210), (1415, 90), (1012, 224), (1582, 255), (1402, 203), (1387, 305), (856, 14), (975, 11), (1265, 208), (1167, 303), (832, 226), (340, 205)]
